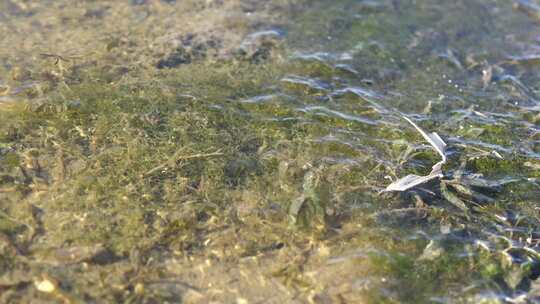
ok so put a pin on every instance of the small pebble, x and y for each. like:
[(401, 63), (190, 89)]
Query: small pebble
[(45, 285)]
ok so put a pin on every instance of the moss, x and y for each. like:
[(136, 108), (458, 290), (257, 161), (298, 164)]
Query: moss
[(493, 167), (193, 159)]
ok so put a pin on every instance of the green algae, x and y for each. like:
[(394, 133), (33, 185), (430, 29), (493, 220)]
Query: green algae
[(205, 167)]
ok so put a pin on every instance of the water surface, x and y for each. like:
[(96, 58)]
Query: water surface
[(235, 151)]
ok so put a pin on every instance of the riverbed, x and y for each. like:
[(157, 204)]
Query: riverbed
[(238, 151)]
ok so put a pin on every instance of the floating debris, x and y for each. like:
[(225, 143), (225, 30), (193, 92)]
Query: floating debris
[(413, 180), (452, 198)]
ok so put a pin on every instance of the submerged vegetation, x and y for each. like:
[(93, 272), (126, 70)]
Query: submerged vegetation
[(236, 151)]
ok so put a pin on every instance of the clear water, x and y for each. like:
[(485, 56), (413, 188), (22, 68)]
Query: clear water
[(235, 151)]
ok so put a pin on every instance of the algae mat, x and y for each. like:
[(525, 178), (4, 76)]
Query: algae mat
[(236, 151)]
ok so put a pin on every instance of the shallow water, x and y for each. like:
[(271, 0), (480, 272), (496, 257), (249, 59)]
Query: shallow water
[(236, 151)]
